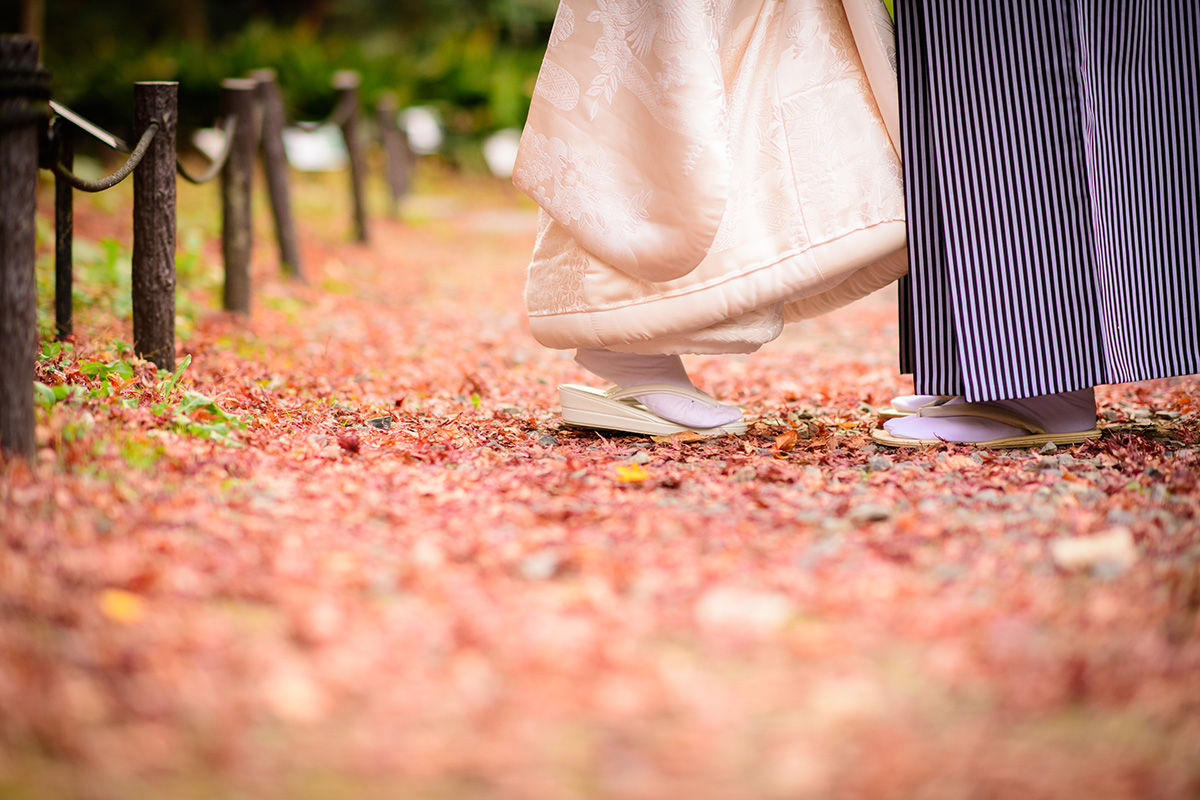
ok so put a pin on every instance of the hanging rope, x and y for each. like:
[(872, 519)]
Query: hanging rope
[(214, 169), (135, 158), (339, 117)]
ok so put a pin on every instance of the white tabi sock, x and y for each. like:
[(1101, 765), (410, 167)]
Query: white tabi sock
[(1065, 412), (909, 403), (628, 370)]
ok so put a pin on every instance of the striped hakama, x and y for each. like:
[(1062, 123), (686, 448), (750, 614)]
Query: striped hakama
[(1052, 180)]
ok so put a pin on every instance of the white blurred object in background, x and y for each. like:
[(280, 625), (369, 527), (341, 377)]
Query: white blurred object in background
[(500, 151), (210, 141), (319, 150), (423, 125)]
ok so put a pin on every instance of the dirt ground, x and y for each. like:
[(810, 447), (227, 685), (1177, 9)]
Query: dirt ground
[(351, 552)]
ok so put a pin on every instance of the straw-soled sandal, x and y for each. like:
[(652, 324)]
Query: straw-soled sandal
[(1036, 437)]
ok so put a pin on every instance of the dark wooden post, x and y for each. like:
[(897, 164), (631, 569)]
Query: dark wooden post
[(276, 168), (346, 83), (397, 154), (154, 225), (240, 101), (18, 203), (64, 231)]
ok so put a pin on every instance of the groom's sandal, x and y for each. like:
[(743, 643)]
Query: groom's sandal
[(618, 409), (1036, 437), (909, 404)]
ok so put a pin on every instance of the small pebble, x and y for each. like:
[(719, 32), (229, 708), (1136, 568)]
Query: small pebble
[(879, 463), (546, 440), (870, 512), (540, 565), (640, 457), (382, 423), (929, 506), (1108, 553), (1049, 447)]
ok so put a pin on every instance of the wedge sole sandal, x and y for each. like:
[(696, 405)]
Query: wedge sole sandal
[(618, 409)]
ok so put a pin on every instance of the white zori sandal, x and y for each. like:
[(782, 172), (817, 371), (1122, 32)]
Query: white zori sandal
[(618, 409), (908, 404), (1036, 437)]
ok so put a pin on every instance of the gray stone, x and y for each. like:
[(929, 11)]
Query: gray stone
[(929, 506), (870, 512), (546, 440), (879, 463)]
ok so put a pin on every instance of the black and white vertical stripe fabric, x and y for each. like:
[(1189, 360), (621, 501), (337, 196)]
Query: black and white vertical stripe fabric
[(1052, 171)]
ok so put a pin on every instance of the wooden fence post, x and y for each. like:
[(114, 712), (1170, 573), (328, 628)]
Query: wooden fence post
[(154, 225), (276, 168), (239, 97), (64, 231), (397, 154), (346, 83), (18, 201)]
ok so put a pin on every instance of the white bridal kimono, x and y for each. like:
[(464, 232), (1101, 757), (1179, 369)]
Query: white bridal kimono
[(708, 170)]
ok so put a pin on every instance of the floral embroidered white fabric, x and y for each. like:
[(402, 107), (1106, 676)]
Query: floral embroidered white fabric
[(705, 162)]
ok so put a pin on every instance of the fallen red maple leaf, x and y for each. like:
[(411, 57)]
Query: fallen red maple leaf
[(348, 441)]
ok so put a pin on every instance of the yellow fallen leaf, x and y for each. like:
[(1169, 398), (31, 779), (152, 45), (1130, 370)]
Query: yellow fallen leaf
[(785, 441), (630, 473), (684, 437), (959, 462), (121, 606)]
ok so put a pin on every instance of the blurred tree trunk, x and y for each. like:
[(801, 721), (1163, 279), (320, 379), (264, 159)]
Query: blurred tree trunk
[(316, 13), (33, 18), (191, 17)]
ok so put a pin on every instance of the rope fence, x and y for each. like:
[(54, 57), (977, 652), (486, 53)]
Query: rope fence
[(229, 126), (36, 131), (121, 174)]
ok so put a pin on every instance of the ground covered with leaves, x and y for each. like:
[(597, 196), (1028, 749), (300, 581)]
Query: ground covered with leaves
[(347, 550)]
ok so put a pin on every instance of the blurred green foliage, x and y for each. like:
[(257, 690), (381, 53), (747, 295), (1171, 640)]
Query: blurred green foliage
[(476, 60)]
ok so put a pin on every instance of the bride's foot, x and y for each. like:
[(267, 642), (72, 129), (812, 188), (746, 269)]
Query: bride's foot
[(629, 370), (1066, 412)]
